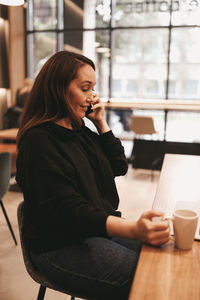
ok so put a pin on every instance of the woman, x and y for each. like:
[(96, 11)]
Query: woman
[(72, 227)]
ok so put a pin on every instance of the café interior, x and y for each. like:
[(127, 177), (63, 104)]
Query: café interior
[(147, 59)]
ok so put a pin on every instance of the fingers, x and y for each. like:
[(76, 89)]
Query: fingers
[(98, 109), (157, 231), (96, 103), (156, 238), (160, 225), (95, 99), (153, 213), (153, 232)]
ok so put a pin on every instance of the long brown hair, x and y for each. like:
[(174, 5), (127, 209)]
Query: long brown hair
[(47, 100)]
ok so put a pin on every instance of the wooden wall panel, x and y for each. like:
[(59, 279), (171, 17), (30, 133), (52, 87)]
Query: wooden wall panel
[(16, 49)]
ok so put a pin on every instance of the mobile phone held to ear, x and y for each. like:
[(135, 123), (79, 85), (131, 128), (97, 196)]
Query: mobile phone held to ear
[(89, 110)]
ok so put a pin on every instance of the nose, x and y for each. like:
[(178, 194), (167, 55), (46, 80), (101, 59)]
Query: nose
[(90, 97)]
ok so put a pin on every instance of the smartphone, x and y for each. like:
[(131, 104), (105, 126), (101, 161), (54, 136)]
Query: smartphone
[(89, 110)]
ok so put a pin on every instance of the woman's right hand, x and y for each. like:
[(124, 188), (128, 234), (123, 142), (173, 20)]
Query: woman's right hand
[(152, 232), (145, 229)]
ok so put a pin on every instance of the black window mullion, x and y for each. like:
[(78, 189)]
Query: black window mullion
[(168, 69)]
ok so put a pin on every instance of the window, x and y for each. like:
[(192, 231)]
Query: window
[(142, 50)]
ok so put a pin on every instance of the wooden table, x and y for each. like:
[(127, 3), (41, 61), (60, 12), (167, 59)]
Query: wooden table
[(166, 273), (9, 134)]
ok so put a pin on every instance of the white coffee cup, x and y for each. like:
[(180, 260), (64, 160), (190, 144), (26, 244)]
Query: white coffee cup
[(184, 225)]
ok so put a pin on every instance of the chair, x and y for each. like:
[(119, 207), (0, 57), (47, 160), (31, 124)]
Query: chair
[(12, 149), (141, 125), (35, 275), (5, 163)]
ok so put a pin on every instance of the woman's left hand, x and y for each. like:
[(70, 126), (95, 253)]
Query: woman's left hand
[(98, 109), (98, 116)]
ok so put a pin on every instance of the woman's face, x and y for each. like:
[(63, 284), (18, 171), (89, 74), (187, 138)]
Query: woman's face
[(80, 90)]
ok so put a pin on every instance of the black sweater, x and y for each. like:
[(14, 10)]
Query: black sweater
[(67, 178)]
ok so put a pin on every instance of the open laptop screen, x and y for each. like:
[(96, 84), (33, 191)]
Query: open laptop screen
[(179, 185)]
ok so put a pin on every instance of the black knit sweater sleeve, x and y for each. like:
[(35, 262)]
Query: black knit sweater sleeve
[(114, 151)]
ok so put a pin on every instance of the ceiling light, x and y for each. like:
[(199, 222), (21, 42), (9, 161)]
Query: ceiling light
[(12, 2)]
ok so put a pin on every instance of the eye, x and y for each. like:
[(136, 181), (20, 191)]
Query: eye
[(85, 89)]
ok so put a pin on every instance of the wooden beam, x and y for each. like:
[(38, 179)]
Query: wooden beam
[(16, 49)]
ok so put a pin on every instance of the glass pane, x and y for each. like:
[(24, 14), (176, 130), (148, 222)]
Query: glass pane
[(85, 42), (188, 13), (103, 62), (183, 127), (87, 14), (44, 14), (101, 57), (185, 64), (120, 123), (142, 13), (97, 13), (44, 45), (159, 122), (103, 13), (73, 14), (73, 41), (140, 67)]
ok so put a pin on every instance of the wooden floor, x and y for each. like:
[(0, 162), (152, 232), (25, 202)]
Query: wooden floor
[(136, 190)]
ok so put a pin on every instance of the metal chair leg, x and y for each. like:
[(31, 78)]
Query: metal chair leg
[(41, 293), (152, 175), (8, 222)]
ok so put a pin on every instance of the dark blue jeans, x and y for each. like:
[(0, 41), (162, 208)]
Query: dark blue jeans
[(98, 268)]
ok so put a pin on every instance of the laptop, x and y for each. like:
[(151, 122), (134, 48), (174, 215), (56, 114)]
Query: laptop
[(179, 186)]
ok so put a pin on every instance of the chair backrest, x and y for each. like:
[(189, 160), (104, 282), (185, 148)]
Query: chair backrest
[(31, 269), (26, 256), (142, 125), (27, 259), (5, 163)]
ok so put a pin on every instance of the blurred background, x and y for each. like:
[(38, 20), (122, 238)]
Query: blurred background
[(147, 57), (143, 50)]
